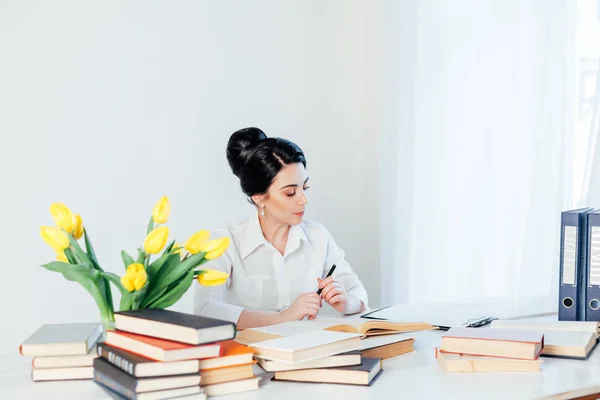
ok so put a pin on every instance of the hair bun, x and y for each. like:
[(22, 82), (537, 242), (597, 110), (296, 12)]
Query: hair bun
[(240, 145)]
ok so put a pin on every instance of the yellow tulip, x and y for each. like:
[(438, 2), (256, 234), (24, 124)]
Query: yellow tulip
[(61, 256), (161, 211), (63, 217), (156, 240), (212, 277), (135, 277), (55, 237), (78, 232), (195, 242), (214, 248)]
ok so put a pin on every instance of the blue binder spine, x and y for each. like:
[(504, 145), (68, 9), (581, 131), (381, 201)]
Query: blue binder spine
[(592, 283), (570, 277)]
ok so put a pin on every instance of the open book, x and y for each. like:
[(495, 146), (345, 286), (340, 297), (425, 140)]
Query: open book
[(348, 325)]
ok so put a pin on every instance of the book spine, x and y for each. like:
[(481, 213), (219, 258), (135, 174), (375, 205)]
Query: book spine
[(118, 360), (117, 375), (110, 383)]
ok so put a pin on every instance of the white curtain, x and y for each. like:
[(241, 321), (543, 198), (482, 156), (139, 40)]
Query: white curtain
[(477, 165)]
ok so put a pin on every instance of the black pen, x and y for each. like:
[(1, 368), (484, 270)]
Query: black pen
[(328, 275)]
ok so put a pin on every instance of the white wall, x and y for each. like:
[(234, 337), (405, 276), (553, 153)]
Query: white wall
[(107, 106)]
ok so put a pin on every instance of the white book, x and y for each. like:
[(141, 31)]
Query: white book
[(86, 360), (546, 326), (307, 346), (62, 340), (59, 374)]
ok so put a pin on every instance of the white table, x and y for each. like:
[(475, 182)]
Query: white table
[(412, 376)]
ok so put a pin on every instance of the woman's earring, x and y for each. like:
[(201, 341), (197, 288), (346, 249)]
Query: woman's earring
[(262, 211)]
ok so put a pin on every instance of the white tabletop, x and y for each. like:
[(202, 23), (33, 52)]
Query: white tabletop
[(415, 375)]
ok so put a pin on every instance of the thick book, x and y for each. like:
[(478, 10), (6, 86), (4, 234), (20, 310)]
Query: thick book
[(366, 329), (61, 340), (338, 360), (160, 349), (62, 374), (545, 326), (126, 384), (47, 362), (493, 342), (244, 385), (115, 391), (394, 346), (307, 346), (232, 353), (140, 367), (173, 325), (467, 363), (227, 374), (363, 374)]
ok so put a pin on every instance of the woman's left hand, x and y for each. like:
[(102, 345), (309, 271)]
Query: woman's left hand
[(333, 293)]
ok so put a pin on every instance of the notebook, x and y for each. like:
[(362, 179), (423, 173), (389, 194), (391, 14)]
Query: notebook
[(307, 346), (173, 325), (61, 340), (363, 374), (493, 342)]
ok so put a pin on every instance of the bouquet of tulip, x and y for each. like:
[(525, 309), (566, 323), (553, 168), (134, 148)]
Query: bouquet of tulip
[(147, 282)]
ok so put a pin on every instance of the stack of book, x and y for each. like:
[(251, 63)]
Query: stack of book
[(62, 351), (159, 354), (490, 350), (320, 356)]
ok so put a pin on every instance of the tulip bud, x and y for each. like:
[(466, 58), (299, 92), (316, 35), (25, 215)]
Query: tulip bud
[(55, 237), (195, 242), (161, 211), (215, 248), (78, 231), (156, 240), (212, 277), (63, 217)]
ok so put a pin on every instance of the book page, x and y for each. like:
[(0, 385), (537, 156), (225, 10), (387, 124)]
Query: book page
[(296, 327)]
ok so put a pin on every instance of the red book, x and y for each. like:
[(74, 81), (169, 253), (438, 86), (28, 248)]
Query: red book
[(160, 349)]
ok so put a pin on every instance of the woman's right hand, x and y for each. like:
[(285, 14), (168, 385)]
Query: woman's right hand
[(307, 304)]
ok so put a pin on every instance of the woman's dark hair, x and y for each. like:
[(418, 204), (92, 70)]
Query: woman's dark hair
[(256, 159)]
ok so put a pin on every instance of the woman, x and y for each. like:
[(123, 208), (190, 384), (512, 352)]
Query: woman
[(276, 259)]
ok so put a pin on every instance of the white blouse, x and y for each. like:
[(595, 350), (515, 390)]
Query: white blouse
[(260, 278)]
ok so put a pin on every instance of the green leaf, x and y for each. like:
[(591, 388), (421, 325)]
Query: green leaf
[(115, 280), (141, 255), (86, 277), (150, 225), (90, 250), (126, 301), (168, 275), (70, 256), (78, 252), (138, 296), (153, 268), (127, 259), (152, 297), (175, 293), (104, 285), (168, 248)]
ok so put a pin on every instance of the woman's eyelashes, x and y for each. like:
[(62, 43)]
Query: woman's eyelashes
[(294, 192)]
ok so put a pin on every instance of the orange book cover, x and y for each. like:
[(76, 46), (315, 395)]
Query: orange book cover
[(160, 343), (233, 348)]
